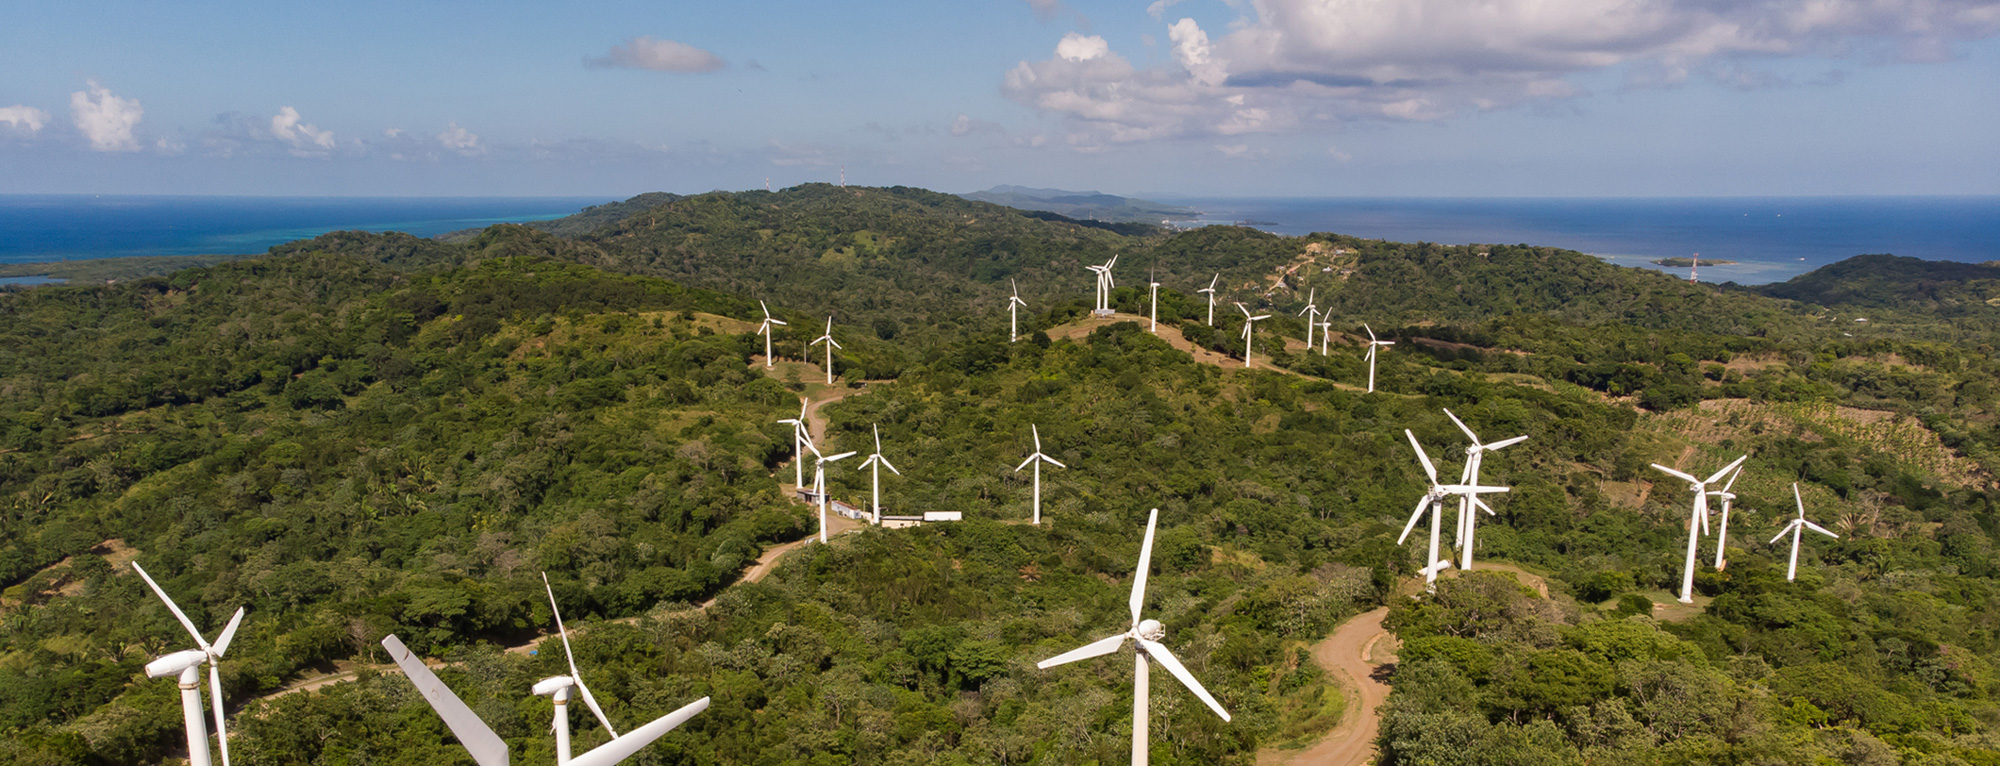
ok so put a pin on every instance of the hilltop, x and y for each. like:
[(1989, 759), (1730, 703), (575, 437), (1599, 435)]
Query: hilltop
[(1091, 205)]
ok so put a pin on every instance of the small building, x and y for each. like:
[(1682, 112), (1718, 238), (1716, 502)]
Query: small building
[(944, 516), (899, 522)]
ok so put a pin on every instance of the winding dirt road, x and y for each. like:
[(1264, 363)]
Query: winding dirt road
[(1359, 654)]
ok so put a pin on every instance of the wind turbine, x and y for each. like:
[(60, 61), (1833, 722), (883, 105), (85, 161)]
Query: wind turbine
[(1698, 520), (877, 462), (1325, 332), (1104, 285), (558, 686), (1313, 309), (1798, 527), (801, 439), (765, 330), (488, 749), (819, 484), (1145, 635), (831, 344), (1468, 518), (184, 663), (1013, 304), (1037, 459), (1373, 344), (1722, 530), (1154, 280), (1210, 289), (1248, 323), (1433, 501)]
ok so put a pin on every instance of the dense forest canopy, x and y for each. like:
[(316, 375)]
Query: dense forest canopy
[(363, 434)]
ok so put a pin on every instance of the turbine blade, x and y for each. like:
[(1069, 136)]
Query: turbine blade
[(1422, 505), (1732, 482), (175, 608), (1819, 529), (590, 700), (1797, 499), (1051, 461), (228, 633), (1483, 506), (778, 322), (1145, 566), (1784, 530), (767, 309), (1677, 474), (1159, 653), (1371, 332), (1461, 426), (1503, 443), (1717, 476), (215, 697), (1215, 279), (1429, 470), (487, 748), (1024, 463), (1098, 648), (619, 749), (841, 456), (885, 464), (1037, 431)]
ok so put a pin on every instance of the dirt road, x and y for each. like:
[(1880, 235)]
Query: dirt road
[(1348, 654)]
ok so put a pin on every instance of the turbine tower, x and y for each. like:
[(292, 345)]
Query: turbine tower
[(1145, 636), (1249, 322), (1014, 304), (486, 747), (186, 664), (819, 484), (876, 462), (801, 440), (1210, 289), (558, 687), (1037, 459), (831, 344), (1312, 309), (1722, 530), (1433, 500), (1154, 281), (765, 330), (1373, 344), (1468, 517), (1699, 519), (1798, 527)]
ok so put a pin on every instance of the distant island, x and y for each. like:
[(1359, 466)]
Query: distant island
[(1682, 263), (1085, 205)]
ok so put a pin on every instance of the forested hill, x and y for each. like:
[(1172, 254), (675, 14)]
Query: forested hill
[(1896, 282)]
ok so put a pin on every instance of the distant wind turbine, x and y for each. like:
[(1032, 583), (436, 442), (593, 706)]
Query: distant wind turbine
[(1013, 304), (1210, 289), (876, 462), (1154, 281), (1037, 459), (1312, 309), (1798, 527), (801, 439), (1698, 520), (819, 483), (1470, 505), (1325, 333), (1373, 344), (765, 330), (1433, 501), (1249, 322), (831, 344), (1722, 529)]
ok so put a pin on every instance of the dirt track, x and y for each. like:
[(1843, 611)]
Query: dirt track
[(1347, 653)]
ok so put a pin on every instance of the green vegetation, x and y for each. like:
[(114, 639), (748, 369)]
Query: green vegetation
[(362, 434)]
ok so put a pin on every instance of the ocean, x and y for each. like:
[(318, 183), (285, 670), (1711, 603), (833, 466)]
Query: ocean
[(1771, 239)]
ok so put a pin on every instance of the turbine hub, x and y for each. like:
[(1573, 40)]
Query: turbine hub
[(1151, 630)]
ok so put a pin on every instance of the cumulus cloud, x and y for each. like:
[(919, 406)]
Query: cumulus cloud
[(105, 119), (286, 127), (24, 118), (657, 55), (1288, 63), (460, 140)]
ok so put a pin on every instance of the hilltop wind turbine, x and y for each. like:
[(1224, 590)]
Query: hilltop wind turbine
[(1798, 527), (1313, 309), (558, 686), (819, 484), (1014, 304), (1037, 459), (877, 462), (1104, 285), (186, 664), (1722, 530), (488, 749), (1248, 323), (1373, 344), (1210, 289), (831, 344), (1325, 332), (1154, 281), (1699, 520), (801, 439), (1468, 517), (1145, 635), (1433, 500), (765, 330)]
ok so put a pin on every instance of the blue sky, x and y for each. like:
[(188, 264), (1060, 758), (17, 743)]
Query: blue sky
[(1195, 97)]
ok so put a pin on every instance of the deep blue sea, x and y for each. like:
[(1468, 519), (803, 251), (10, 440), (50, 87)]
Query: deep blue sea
[(1772, 239)]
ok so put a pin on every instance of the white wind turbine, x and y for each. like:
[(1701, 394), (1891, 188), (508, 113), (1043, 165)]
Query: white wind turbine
[(1325, 333), (1145, 635), (801, 439), (1698, 522), (1313, 309), (1014, 304), (876, 462), (486, 747), (1722, 529), (185, 664), (1433, 500), (1468, 517), (819, 483), (558, 686), (765, 330), (1154, 281), (1798, 527), (1248, 323), (831, 344), (1037, 459), (1210, 289), (1104, 285), (1373, 344)]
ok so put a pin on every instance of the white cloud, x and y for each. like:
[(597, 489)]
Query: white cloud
[(964, 125), (1159, 8), (105, 119), (26, 118), (1289, 63), (1337, 154), (286, 127), (1075, 47), (657, 55), (460, 140)]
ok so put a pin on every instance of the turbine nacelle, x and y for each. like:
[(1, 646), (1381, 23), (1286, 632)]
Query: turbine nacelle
[(553, 684), (173, 664), (1149, 629)]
